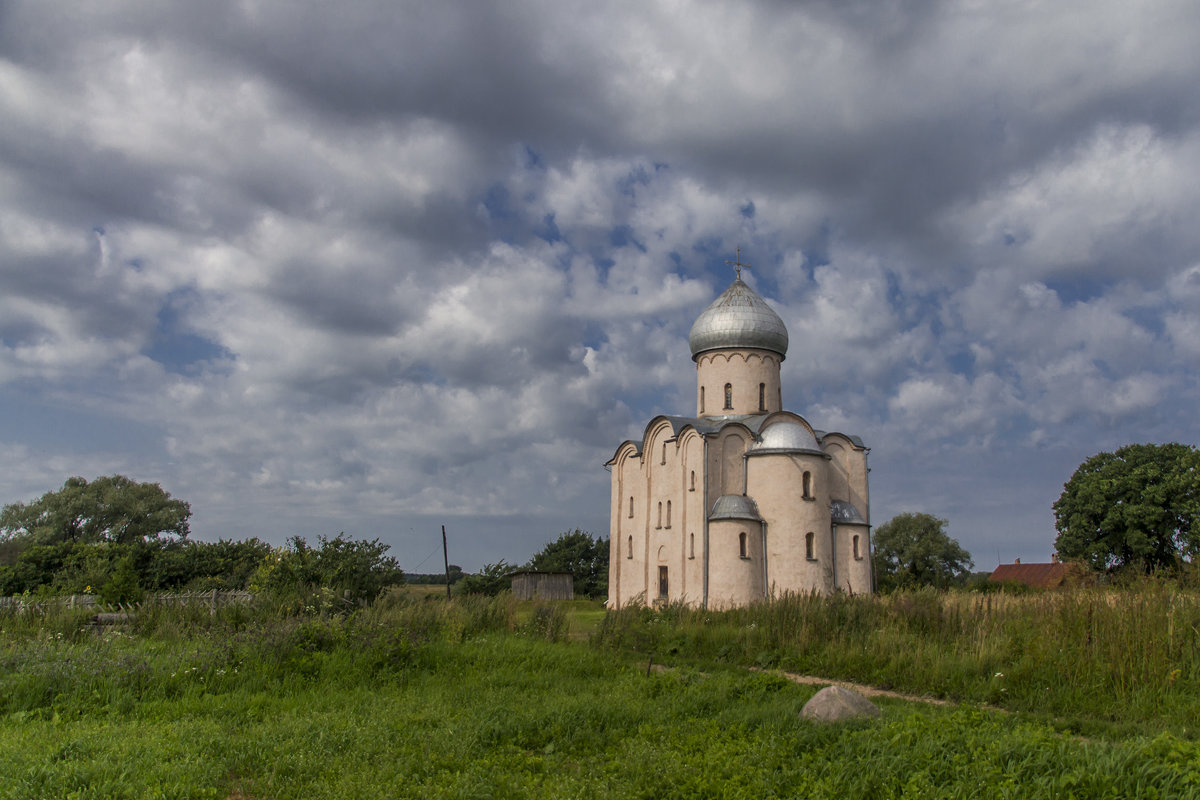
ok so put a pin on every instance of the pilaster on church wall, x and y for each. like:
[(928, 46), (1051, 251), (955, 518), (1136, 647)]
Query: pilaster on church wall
[(628, 563), (665, 510), (727, 472), (616, 541), (695, 514)]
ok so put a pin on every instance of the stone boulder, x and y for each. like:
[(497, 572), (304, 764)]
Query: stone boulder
[(833, 704)]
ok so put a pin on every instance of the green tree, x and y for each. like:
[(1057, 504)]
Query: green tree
[(583, 556), (123, 586), (109, 509), (491, 580), (914, 550), (1136, 507), (357, 569)]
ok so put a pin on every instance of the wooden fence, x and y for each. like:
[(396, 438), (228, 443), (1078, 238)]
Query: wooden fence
[(212, 599)]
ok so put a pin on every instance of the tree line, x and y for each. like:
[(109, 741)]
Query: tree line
[(1135, 509), (119, 539)]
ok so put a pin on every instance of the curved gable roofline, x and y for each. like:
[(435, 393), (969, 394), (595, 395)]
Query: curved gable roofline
[(627, 444), (752, 431), (652, 425), (855, 441), (704, 426)]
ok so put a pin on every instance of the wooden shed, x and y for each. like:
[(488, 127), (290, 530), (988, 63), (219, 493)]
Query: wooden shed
[(531, 585)]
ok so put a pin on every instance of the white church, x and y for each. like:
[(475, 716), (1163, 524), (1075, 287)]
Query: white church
[(743, 501)]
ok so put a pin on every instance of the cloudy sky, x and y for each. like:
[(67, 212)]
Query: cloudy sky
[(376, 267)]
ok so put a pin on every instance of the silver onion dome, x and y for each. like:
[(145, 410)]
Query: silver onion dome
[(738, 318)]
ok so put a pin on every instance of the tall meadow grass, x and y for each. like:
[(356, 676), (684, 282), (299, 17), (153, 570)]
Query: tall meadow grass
[(61, 665), (1129, 653), (488, 697)]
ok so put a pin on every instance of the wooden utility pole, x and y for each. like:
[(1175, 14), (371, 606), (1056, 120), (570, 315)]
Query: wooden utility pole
[(446, 560)]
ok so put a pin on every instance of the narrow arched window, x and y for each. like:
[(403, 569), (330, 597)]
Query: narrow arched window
[(692, 485), (664, 454), (701, 399), (808, 495), (630, 553), (809, 542), (691, 545), (742, 544), (728, 395), (631, 506), (668, 514), (659, 525), (762, 397), (857, 555)]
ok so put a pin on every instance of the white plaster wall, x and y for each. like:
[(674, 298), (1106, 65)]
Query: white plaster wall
[(744, 370), (691, 527), (627, 564), (727, 472), (850, 464), (733, 580), (775, 481), (853, 574), (662, 471)]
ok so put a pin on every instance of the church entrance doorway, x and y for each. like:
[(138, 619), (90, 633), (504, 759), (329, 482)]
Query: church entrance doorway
[(662, 582)]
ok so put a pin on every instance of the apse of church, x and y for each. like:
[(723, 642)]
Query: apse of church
[(743, 501)]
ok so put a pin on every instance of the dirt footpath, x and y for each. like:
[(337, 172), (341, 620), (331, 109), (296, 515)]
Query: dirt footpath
[(863, 689)]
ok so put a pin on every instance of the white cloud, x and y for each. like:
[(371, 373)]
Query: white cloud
[(1091, 208), (402, 262)]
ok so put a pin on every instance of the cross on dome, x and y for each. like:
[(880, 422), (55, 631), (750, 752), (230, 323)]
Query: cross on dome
[(737, 262)]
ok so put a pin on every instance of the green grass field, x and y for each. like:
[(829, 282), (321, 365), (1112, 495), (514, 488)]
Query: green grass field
[(491, 698)]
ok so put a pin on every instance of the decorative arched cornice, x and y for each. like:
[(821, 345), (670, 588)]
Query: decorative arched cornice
[(745, 355)]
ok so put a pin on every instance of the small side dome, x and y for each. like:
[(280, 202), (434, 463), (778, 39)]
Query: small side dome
[(787, 436), (739, 318), (734, 506), (843, 513)]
